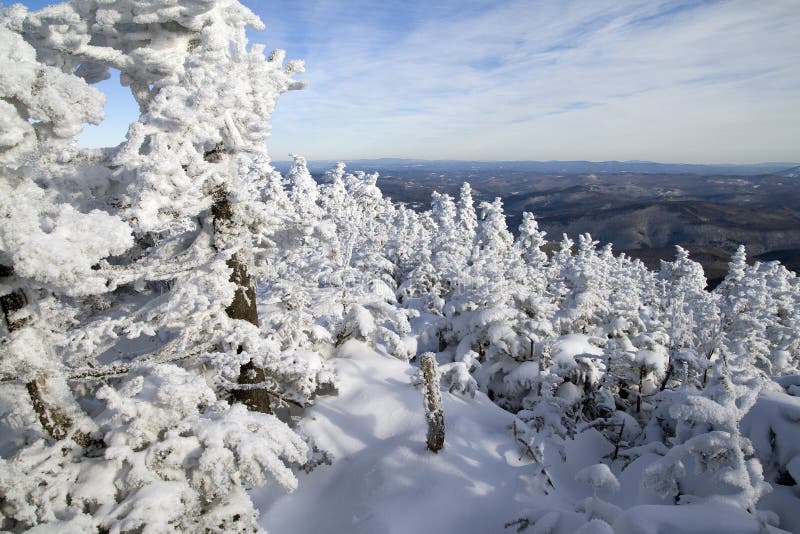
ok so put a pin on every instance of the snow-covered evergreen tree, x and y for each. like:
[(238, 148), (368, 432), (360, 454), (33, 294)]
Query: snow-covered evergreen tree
[(50, 240), (466, 220), (530, 242), (180, 306)]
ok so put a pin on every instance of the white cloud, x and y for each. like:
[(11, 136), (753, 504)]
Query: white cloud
[(706, 81)]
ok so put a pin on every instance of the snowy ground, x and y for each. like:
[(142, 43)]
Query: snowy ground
[(383, 479)]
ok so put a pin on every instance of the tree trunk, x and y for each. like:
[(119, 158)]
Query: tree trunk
[(243, 307), (667, 375), (639, 392), (54, 418), (433, 402), (442, 342), (54, 421), (11, 304)]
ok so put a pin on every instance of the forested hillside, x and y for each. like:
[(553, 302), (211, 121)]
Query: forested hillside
[(175, 312)]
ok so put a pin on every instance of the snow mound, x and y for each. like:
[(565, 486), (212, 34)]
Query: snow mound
[(382, 478), (571, 345), (706, 518), (598, 476)]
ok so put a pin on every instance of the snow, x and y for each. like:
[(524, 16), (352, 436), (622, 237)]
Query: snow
[(567, 347), (651, 359), (598, 476), (382, 478), (595, 526), (708, 518), (774, 419)]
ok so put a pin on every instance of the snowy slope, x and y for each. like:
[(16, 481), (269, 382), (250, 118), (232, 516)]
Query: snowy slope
[(383, 479)]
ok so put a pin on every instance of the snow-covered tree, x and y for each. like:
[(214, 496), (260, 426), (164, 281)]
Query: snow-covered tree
[(446, 256), (179, 307), (530, 241), (49, 243), (466, 220), (304, 190), (708, 439)]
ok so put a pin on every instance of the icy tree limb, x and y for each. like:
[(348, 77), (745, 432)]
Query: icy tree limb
[(54, 421), (171, 352), (51, 410), (433, 402), (52, 399), (157, 268)]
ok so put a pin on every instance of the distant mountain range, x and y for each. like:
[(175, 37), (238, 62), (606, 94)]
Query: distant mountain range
[(794, 172), (787, 169)]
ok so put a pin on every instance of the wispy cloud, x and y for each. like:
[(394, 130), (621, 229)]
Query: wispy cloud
[(668, 80), (690, 81)]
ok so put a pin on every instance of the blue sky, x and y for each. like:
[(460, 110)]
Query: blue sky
[(679, 81)]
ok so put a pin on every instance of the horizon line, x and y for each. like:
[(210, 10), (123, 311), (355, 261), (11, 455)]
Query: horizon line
[(789, 164)]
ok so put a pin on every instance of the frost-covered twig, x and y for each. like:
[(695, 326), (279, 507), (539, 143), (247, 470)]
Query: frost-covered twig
[(168, 353), (165, 355), (157, 269)]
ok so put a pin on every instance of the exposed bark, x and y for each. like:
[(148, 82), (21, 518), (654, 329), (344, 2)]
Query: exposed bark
[(341, 337), (433, 402), (11, 304), (639, 391), (667, 375), (54, 421), (54, 418), (618, 441), (243, 307)]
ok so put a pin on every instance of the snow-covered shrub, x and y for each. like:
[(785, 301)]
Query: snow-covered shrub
[(708, 437)]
